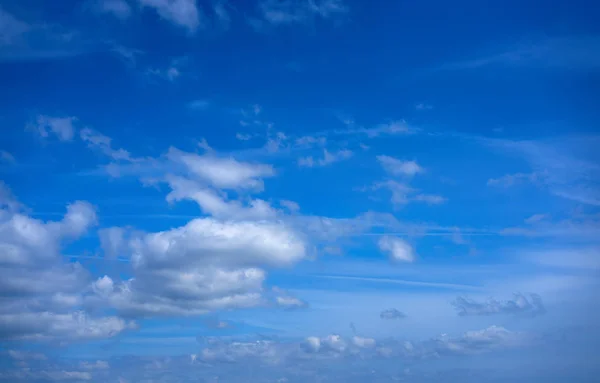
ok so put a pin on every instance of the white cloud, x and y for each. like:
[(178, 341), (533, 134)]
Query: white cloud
[(328, 158), (42, 295), (118, 8), (286, 300), (215, 203), (397, 249), (361, 342), (204, 266), (183, 13), (398, 167), (402, 194), (62, 127), (224, 173), (101, 142)]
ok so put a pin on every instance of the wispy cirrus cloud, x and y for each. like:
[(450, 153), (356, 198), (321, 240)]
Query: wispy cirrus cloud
[(574, 52)]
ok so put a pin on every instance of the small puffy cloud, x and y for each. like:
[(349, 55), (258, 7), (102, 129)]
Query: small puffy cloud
[(224, 173), (519, 305), (118, 8), (183, 13), (392, 314), (397, 167), (402, 194), (397, 249), (286, 300), (327, 159), (62, 127)]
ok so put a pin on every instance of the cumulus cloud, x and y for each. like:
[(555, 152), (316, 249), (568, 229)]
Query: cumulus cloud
[(397, 249), (392, 314), (41, 295), (224, 173), (520, 304), (204, 266), (397, 167)]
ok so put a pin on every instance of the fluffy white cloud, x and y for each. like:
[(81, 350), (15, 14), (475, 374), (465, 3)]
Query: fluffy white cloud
[(215, 203), (41, 295), (203, 266), (397, 249), (223, 173), (398, 167), (184, 13)]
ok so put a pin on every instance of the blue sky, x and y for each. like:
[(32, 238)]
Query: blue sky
[(299, 191)]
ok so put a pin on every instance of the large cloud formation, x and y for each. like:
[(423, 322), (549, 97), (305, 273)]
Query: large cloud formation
[(41, 296)]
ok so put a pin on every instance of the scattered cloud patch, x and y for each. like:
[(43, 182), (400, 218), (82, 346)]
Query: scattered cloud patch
[(61, 127), (6, 157), (118, 8), (392, 314), (396, 167), (276, 13), (327, 159), (520, 304), (397, 249), (422, 106), (182, 13)]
